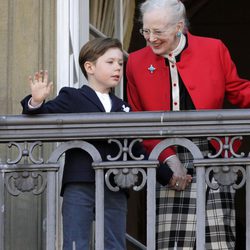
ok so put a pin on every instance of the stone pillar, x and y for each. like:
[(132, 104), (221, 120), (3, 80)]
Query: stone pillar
[(27, 44)]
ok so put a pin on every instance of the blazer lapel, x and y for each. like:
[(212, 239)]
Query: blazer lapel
[(118, 105), (90, 94), (114, 103)]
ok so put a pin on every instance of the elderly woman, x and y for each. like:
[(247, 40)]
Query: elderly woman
[(180, 71)]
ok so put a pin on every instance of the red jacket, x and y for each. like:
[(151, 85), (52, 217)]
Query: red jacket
[(206, 69)]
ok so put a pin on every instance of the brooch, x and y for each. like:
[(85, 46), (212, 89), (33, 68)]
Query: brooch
[(125, 109), (151, 69)]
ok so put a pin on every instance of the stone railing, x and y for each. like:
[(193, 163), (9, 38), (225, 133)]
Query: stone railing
[(26, 169)]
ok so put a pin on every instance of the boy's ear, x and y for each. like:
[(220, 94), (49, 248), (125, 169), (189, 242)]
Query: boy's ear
[(89, 67)]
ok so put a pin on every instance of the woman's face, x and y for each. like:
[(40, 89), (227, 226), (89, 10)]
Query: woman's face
[(160, 32)]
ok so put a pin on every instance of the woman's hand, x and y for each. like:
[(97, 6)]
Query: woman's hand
[(40, 88), (179, 183), (180, 180)]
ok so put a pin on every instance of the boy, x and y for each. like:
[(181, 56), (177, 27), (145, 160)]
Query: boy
[(101, 62)]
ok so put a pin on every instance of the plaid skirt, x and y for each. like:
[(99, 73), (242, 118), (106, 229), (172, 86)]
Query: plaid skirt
[(176, 213)]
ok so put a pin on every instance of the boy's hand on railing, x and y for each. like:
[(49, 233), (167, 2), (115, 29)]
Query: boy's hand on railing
[(40, 88)]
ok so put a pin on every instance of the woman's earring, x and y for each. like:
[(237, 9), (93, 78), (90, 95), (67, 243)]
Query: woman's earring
[(178, 34)]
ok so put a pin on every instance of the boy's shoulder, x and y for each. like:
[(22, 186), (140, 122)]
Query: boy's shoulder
[(69, 89), (72, 90)]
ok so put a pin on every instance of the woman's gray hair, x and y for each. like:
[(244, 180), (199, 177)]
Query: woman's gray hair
[(174, 8)]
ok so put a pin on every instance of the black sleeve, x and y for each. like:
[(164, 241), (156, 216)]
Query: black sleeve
[(62, 103), (163, 174), (27, 110)]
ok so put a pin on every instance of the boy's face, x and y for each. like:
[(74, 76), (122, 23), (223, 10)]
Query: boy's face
[(107, 71)]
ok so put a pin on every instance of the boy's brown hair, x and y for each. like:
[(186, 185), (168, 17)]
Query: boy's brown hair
[(95, 48)]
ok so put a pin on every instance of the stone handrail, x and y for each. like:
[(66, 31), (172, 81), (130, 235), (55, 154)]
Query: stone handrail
[(78, 130)]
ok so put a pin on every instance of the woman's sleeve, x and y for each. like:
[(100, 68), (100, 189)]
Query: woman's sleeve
[(134, 101), (237, 89)]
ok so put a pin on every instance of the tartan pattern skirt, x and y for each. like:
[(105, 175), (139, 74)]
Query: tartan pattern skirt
[(176, 213)]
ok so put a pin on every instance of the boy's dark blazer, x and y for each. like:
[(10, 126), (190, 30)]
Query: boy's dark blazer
[(78, 163), (77, 167)]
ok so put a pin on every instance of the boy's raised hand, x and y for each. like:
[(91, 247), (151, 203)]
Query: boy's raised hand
[(40, 88)]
